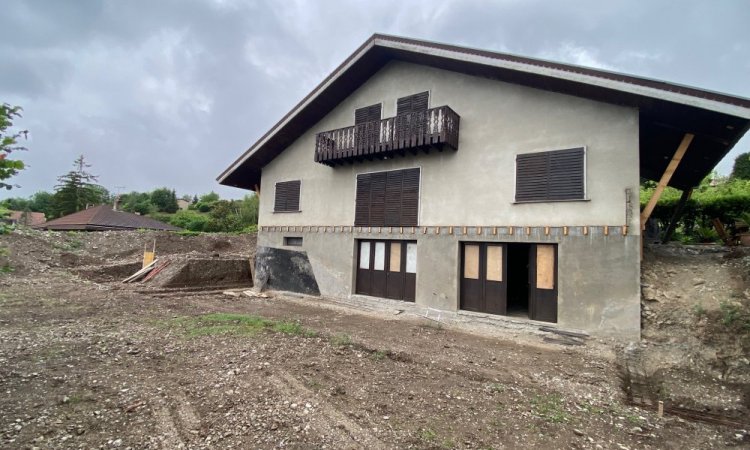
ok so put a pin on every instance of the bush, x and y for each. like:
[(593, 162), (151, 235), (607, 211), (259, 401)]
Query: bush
[(189, 220)]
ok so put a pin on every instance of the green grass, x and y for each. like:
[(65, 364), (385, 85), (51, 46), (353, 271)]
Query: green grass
[(237, 325), (341, 340), (549, 408), (379, 355), (426, 434)]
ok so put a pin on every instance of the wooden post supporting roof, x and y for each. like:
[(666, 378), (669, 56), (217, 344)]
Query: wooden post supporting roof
[(686, 140), (686, 194)]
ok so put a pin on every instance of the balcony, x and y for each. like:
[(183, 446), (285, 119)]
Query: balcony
[(434, 128)]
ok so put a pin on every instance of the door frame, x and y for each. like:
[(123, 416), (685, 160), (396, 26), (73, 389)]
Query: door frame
[(407, 284)]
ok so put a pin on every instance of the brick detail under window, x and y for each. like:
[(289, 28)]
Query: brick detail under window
[(387, 199), (550, 176), (287, 196)]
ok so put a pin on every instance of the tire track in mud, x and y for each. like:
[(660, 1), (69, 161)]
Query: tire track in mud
[(174, 422), (330, 422)]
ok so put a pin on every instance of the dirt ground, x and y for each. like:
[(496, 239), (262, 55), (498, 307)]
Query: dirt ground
[(92, 364)]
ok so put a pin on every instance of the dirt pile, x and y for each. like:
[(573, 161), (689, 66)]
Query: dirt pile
[(109, 255), (695, 348)]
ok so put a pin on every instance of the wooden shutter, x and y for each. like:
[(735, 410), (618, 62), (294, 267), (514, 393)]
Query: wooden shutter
[(410, 198), (412, 103), (566, 174), (367, 114), (387, 199), (287, 196), (555, 175), (362, 208)]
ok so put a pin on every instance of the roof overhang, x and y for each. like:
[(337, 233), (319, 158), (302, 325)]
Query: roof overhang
[(667, 111)]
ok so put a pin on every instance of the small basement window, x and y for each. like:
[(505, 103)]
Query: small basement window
[(293, 241), (551, 176), (286, 198)]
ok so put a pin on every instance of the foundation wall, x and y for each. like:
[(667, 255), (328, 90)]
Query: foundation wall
[(598, 274)]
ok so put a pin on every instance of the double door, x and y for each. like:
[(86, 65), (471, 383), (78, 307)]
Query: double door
[(387, 269), (515, 279)]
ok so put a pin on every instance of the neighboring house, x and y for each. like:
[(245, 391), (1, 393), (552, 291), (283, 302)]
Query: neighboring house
[(27, 218), (103, 217), (182, 204), (470, 180)]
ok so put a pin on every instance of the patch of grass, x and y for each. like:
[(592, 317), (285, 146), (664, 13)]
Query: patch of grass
[(549, 407), (341, 340), (188, 233), (496, 388), (379, 355), (237, 324), (730, 312), (699, 310), (427, 434), (6, 268)]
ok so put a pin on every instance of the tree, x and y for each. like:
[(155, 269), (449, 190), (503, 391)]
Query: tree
[(43, 202), (136, 202), (77, 189), (164, 200), (741, 168), (9, 144)]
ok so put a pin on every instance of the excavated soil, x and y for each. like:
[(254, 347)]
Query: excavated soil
[(100, 364)]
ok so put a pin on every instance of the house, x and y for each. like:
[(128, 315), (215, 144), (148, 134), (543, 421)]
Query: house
[(102, 218), (479, 182), (27, 218), (182, 204)]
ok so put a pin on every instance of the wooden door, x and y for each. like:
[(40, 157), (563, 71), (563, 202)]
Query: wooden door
[(387, 269), (483, 277), (543, 282)]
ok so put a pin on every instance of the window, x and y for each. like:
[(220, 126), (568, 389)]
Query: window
[(551, 176), (412, 103), (367, 114), (293, 241), (387, 199), (287, 196)]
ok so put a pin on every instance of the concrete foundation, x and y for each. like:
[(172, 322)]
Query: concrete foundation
[(599, 283)]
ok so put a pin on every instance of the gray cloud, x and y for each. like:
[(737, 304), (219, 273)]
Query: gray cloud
[(170, 92)]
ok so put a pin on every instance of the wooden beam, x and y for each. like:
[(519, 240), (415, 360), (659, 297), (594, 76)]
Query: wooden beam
[(686, 194), (686, 140), (257, 190)]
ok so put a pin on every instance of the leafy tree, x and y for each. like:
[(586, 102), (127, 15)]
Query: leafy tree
[(136, 202), (210, 197), (190, 220), (15, 203), (249, 210), (9, 144), (43, 202), (77, 189), (741, 169), (164, 200)]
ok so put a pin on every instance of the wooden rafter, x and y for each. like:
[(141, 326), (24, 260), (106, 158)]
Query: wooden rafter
[(664, 181)]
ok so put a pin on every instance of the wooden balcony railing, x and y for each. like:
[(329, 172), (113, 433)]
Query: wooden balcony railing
[(434, 128)]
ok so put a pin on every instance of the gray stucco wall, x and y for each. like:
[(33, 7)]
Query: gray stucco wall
[(476, 183), (599, 276)]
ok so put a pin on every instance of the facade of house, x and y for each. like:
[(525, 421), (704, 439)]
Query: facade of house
[(466, 180)]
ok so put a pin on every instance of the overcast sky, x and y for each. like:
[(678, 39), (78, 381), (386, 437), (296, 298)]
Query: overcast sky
[(170, 92)]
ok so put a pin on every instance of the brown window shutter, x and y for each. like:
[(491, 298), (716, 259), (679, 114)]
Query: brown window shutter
[(377, 199), (387, 199), (410, 198), (287, 196), (362, 209), (367, 114), (412, 103), (550, 176)]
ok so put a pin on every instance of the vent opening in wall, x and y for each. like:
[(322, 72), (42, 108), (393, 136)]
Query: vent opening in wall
[(293, 241)]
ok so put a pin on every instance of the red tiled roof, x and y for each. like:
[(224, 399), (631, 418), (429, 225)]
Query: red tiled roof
[(27, 218), (103, 217)]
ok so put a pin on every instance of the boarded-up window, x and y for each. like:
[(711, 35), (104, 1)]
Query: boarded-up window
[(287, 196), (412, 103), (545, 266), (471, 262), (367, 114), (387, 199), (550, 176), (494, 263)]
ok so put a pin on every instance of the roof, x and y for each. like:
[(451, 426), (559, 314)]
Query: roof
[(27, 217), (103, 217), (667, 110)]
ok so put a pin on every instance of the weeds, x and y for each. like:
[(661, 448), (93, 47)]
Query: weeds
[(550, 408), (699, 310), (426, 434), (379, 355), (496, 388), (730, 313), (237, 324), (341, 340)]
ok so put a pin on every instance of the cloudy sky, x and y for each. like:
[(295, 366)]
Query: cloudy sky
[(170, 92)]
